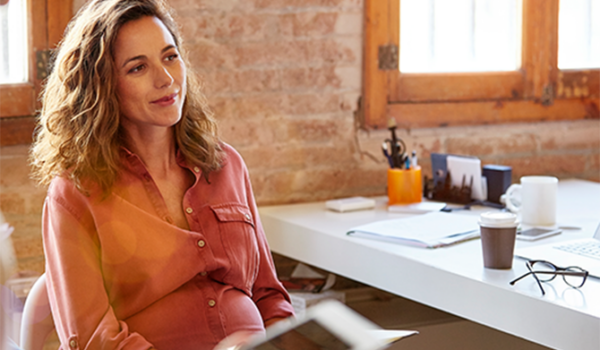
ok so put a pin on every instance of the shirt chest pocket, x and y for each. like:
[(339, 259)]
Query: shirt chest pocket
[(237, 233)]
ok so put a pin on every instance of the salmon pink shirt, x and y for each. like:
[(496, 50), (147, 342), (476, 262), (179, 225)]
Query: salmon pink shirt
[(120, 275)]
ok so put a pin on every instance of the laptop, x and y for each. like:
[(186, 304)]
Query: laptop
[(328, 325), (584, 253)]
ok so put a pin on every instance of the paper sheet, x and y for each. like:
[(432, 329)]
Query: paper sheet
[(469, 168), (430, 230)]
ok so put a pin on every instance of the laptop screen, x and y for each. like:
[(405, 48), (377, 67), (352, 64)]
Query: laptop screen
[(308, 336)]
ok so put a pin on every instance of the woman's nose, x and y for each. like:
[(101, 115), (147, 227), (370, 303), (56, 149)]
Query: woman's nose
[(163, 78)]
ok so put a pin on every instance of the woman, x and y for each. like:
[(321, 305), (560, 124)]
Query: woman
[(151, 233)]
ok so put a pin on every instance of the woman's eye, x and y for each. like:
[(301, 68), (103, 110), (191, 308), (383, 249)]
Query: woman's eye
[(172, 57), (136, 68)]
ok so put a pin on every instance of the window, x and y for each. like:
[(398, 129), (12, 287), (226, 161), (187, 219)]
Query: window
[(13, 40), (523, 83), (36, 30)]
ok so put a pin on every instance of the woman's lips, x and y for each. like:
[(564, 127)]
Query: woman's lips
[(165, 101)]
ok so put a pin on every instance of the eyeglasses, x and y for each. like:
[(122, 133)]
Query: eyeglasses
[(544, 271)]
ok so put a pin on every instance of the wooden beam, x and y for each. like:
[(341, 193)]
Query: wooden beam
[(16, 131), (457, 86), (428, 115), (60, 13), (580, 83), (375, 90), (17, 100), (540, 46)]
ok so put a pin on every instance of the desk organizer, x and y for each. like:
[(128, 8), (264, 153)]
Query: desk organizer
[(405, 186)]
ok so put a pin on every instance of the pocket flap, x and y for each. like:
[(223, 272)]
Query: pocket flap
[(235, 212)]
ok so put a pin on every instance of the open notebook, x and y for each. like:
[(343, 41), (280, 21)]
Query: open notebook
[(584, 253), (431, 230)]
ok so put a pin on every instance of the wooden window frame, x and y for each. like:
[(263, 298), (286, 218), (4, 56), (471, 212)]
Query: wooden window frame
[(19, 102), (539, 91)]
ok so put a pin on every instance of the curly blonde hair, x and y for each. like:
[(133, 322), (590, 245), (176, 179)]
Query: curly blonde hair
[(78, 133)]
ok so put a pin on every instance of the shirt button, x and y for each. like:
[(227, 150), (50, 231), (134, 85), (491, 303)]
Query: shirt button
[(73, 344), (196, 169), (201, 243), (212, 303), (203, 273), (248, 217), (189, 210)]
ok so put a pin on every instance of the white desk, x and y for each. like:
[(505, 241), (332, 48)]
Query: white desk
[(452, 279)]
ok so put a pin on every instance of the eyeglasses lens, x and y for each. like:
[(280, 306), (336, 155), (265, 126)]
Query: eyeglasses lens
[(543, 266), (575, 281)]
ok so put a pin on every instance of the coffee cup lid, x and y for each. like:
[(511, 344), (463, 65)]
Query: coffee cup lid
[(498, 219)]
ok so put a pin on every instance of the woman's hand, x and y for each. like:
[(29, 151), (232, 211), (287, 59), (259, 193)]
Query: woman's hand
[(273, 320)]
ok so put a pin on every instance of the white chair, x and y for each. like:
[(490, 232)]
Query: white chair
[(37, 322)]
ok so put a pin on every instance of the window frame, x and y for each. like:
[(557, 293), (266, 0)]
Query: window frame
[(47, 20), (539, 91)]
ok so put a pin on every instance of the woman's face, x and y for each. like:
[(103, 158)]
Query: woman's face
[(151, 77)]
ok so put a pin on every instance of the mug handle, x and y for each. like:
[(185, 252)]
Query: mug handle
[(514, 207)]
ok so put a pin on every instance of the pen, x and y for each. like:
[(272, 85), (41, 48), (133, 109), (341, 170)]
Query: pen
[(414, 159), (387, 155), (397, 163), (407, 162)]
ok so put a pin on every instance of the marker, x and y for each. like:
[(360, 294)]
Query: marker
[(414, 159)]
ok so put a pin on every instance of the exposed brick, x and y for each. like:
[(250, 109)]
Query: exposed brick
[(307, 23), (12, 203), (339, 51), (271, 188), (312, 104), (283, 156), (194, 27), (269, 54), (591, 177), (278, 4), (341, 155), (182, 6), (246, 106), (555, 165), (310, 78), (28, 247), (251, 132), (349, 23), (205, 54), (594, 164), (311, 130), (563, 138), (229, 26), (14, 172), (349, 76), (34, 265), (492, 145), (243, 81)]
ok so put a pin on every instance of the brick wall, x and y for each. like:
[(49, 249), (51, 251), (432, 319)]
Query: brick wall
[(284, 77)]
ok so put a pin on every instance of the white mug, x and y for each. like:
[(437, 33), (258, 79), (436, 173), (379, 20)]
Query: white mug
[(537, 200)]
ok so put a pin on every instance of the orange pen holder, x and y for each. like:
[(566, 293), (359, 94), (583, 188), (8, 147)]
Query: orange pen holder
[(404, 186)]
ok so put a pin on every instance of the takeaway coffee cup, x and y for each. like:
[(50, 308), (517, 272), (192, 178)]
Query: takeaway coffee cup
[(498, 233), (535, 199)]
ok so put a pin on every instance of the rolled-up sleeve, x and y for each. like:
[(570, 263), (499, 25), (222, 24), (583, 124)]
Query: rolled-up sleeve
[(80, 306)]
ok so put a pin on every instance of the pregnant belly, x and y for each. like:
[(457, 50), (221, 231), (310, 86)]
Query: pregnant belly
[(196, 316)]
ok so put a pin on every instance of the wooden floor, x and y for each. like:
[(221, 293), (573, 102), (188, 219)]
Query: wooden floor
[(437, 329)]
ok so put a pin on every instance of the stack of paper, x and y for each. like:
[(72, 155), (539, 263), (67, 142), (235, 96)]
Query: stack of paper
[(431, 230), (416, 208)]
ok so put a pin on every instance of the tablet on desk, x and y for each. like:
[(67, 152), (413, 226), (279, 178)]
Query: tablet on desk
[(329, 325)]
